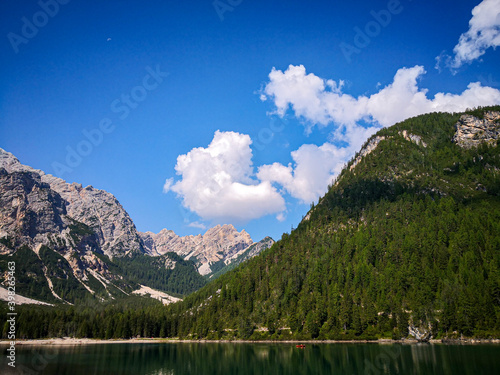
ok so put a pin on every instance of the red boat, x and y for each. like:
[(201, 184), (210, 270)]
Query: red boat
[(300, 346)]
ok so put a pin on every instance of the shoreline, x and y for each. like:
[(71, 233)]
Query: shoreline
[(67, 341)]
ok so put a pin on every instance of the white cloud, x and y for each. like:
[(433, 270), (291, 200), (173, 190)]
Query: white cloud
[(217, 181), (168, 185), (314, 169), (281, 217), (196, 224), (483, 33), (321, 102)]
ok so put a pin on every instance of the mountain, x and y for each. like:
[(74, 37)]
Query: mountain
[(405, 241), (97, 209), (242, 256), (57, 258), (210, 251), (71, 242)]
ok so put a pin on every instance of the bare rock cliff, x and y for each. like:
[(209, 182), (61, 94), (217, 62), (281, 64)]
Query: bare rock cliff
[(29, 210), (33, 216), (96, 208), (219, 243), (471, 131)]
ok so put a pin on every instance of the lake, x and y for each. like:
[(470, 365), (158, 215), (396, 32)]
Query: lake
[(246, 358)]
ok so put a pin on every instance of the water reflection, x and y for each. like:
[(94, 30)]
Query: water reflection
[(237, 358)]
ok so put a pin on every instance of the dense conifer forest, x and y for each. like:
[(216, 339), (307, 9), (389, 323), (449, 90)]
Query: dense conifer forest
[(410, 236)]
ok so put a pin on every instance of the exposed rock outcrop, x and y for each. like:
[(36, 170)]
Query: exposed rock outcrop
[(471, 131), (29, 208), (412, 138), (219, 243), (251, 251), (366, 150), (96, 208), (420, 334), (33, 216), (242, 256)]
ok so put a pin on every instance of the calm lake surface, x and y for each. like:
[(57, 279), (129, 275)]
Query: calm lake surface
[(238, 358)]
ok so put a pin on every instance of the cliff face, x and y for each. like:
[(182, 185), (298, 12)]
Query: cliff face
[(53, 251), (472, 131), (29, 209), (219, 243), (96, 208), (102, 212), (242, 256), (58, 233)]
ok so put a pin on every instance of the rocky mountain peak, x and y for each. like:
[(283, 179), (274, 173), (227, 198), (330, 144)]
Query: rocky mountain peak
[(472, 131), (96, 208), (29, 208), (217, 244)]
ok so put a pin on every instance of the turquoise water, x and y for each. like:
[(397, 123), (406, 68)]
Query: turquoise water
[(238, 358)]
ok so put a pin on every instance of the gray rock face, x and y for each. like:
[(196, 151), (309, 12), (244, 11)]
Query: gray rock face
[(412, 138), (217, 244), (29, 209), (102, 212), (420, 334), (250, 251), (163, 242), (471, 131), (96, 208), (33, 215), (366, 150)]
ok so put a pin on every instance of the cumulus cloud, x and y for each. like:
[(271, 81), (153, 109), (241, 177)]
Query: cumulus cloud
[(196, 224), (483, 33), (320, 102), (217, 182), (313, 170), (168, 184), (315, 167)]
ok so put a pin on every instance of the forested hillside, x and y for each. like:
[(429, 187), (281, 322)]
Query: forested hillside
[(408, 235)]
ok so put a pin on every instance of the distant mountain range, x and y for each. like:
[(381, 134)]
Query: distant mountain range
[(72, 242), (218, 244)]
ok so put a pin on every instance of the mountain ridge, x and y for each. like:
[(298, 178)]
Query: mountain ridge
[(405, 240), (96, 208), (219, 243)]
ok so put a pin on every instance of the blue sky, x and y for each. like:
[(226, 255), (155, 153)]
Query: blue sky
[(195, 113)]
